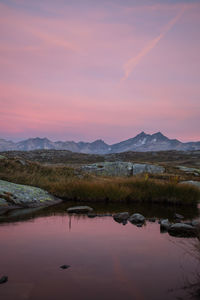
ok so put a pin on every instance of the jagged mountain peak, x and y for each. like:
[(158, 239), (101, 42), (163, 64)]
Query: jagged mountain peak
[(99, 142), (142, 142)]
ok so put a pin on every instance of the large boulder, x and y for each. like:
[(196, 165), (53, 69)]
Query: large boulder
[(182, 230), (17, 195), (119, 168), (121, 217), (147, 168), (79, 209), (137, 219)]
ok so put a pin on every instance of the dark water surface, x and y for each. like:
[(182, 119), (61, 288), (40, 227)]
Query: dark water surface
[(108, 260)]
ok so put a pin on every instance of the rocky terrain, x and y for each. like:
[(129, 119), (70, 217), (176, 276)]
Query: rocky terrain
[(142, 142)]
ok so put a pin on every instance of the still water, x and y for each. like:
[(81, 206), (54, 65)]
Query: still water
[(107, 260)]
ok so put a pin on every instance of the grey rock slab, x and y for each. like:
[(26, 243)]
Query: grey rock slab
[(136, 218), (147, 168), (18, 195), (79, 209), (120, 168)]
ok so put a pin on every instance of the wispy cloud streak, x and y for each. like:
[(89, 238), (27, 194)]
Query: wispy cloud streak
[(134, 61)]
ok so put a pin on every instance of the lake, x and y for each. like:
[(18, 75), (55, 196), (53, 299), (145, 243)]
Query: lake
[(107, 260)]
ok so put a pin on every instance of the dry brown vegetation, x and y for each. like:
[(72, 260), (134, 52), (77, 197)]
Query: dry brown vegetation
[(65, 183)]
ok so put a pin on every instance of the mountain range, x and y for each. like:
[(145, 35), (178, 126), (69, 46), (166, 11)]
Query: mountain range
[(142, 142)]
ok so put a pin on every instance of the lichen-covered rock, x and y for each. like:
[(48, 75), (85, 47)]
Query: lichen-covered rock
[(119, 168), (16, 195)]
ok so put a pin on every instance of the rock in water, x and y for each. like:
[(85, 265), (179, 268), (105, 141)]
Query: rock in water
[(182, 230), (79, 209), (3, 279), (65, 267), (195, 223), (177, 216), (91, 215), (164, 225), (121, 217), (137, 218)]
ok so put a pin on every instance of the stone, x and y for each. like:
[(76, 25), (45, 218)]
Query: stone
[(139, 224), (65, 267), (124, 222), (79, 209), (120, 168), (152, 220), (136, 218), (3, 279), (21, 162), (177, 216), (194, 171), (182, 230), (120, 217), (14, 195), (195, 223), (92, 215), (164, 225), (147, 168)]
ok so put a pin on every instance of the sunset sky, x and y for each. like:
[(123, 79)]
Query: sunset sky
[(89, 69)]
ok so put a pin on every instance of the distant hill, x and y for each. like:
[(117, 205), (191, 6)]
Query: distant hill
[(142, 143)]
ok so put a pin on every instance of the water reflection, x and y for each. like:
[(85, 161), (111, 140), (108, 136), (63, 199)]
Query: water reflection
[(108, 260), (148, 210)]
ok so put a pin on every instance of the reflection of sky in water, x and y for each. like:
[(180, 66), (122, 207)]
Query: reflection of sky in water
[(108, 260)]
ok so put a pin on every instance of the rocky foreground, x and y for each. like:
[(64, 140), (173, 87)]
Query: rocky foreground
[(23, 196)]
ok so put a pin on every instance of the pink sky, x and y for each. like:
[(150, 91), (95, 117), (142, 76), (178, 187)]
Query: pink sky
[(83, 70)]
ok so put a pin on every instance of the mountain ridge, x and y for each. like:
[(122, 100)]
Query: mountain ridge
[(142, 142)]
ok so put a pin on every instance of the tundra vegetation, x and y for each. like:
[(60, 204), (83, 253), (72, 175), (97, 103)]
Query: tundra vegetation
[(67, 181)]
